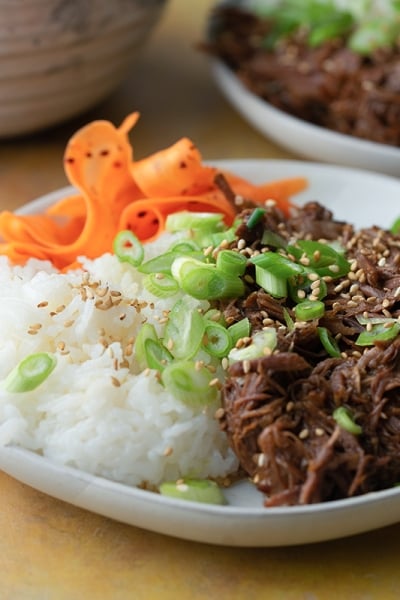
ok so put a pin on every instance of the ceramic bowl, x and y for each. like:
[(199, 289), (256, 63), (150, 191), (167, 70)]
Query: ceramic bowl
[(58, 58)]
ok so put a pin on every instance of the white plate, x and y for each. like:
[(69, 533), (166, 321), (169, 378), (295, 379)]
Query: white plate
[(355, 195), (302, 138)]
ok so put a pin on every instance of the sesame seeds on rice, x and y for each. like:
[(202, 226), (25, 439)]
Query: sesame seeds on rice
[(97, 412)]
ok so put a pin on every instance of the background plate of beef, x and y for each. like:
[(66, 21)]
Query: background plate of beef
[(353, 195), (325, 103), (299, 136)]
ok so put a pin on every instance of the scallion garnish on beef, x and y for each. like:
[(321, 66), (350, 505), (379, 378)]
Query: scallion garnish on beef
[(315, 415)]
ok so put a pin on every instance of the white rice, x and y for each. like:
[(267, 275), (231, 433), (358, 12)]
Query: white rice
[(96, 412)]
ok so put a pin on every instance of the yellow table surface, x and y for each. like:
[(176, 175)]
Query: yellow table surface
[(52, 550)]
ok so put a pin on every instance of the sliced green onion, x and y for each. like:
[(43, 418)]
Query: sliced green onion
[(374, 320), (345, 420), (231, 262), (277, 264), (205, 281), (375, 33), (309, 310), (215, 315), (30, 372), (184, 264), (263, 342), (332, 28), (255, 217), (321, 258), (395, 228), (239, 330), (215, 239), (274, 285), (270, 238), (185, 328), (157, 355), (195, 490), (328, 342), (378, 333), (288, 319), (128, 248), (161, 285), (146, 332), (184, 220), (184, 246), (159, 264), (217, 341), (190, 383), (212, 285), (163, 262)]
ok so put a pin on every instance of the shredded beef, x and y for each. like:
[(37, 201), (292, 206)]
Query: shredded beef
[(278, 409), (329, 85)]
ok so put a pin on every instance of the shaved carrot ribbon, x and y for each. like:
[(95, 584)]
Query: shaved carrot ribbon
[(117, 192)]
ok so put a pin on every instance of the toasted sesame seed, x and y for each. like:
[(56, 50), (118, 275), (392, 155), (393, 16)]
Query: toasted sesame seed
[(316, 255), (219, 413), (116, 382), (313, 276), (239, 200), (42, 304), (354, 288), (334, 268), (182, 487), (215, 383), (353, 266), (168, 451), (315, 284), (304, 433), (261, 460), (102, 292), (224, 363)]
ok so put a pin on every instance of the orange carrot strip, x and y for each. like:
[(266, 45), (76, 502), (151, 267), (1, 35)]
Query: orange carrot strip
[(29, 228), (280, 190), (116, 192), (146, 218), (71, 206), (175, 171)]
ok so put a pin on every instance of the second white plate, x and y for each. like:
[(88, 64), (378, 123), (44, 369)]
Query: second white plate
[(300, 137)]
